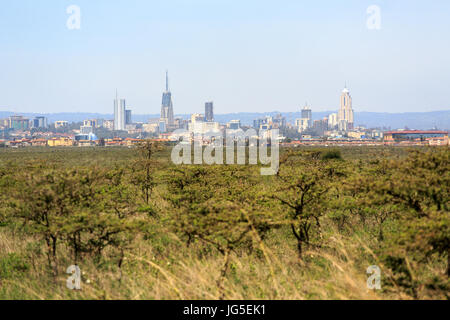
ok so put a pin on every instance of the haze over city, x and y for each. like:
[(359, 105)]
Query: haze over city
[(253, 56)]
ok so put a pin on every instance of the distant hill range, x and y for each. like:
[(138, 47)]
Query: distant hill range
[(412, 120)]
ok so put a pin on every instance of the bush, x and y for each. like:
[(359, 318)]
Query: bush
[(332, 154), (12, 265)]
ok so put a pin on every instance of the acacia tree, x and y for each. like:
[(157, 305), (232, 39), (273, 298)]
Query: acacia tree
[(41, 202), (144, 170), (419, 187), (422, 185), (217, 206), (363, 196), (118, 221), (7, 184), (303, 181), (85, 209), (104, 214)]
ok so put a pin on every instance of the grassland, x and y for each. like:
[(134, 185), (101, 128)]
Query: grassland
[(170, 246)]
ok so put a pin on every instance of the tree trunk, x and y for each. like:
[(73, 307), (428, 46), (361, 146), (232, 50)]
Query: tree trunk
[(380, 234), (223, 274), (51, 254), (122, 256), (299, 241), (448, 262), (300, 248)]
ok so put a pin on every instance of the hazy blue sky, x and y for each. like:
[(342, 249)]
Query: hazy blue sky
[(248, 55)]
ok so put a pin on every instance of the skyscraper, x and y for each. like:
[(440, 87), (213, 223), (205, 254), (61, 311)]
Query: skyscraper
[(307, 116), (332, 121), (167, 105), (19, 123), (40, 122), (345, 116), (119, 113), (128, 117), (209, 111)]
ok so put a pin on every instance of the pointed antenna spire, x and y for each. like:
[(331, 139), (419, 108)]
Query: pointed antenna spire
[(167, 81)]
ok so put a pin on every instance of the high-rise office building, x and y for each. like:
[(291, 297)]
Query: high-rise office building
[(345, 116), (307, 116), (234, 124), (180, 123), (167, 106), (19, 123), (128, 119), (162, 127), (86, 129), (209, 111), (119, 113), (197, 117), (108, 124), (332, 121), (269, 122), (99, 123), (306, 112), (279, 121), (257, 123), (40, 122), (61, 124), (198, 125), (302, 124), (320, 126), (90, 123)]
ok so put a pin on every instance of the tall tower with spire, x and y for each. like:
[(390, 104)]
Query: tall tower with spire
[(167, 105), (345, 115)]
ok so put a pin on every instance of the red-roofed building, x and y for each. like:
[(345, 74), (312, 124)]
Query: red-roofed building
[(39, 143), (417, 137)]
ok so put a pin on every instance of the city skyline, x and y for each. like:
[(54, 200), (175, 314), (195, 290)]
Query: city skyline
[(255, 56)]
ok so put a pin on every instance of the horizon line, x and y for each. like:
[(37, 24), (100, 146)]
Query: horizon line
[(220, 114)]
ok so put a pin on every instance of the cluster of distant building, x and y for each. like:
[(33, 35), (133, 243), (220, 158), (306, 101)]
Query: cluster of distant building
[(21, 123), (339, 125), (340, 122), (336, 128)]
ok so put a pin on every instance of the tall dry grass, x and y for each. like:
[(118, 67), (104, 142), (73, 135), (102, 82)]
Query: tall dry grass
[(166, 268)]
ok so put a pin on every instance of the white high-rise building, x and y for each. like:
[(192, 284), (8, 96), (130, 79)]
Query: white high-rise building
[(199, 126), (345, 116), (332, 121), (119, 113), (305, 122), (302, 124)]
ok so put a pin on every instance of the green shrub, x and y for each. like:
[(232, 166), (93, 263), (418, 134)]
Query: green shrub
[(12, 265), (332, 154)]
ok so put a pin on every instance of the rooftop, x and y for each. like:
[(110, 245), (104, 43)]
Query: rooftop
[(416, 132)]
